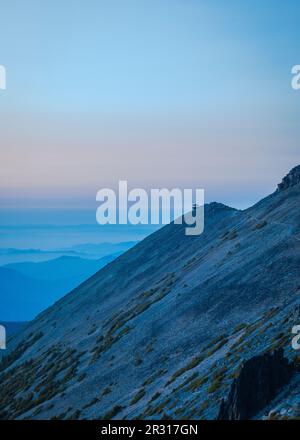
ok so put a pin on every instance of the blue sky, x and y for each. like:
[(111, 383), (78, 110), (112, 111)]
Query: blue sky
[(162, 93)]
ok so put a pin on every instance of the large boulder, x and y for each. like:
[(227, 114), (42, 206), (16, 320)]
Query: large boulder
[(258, 383)]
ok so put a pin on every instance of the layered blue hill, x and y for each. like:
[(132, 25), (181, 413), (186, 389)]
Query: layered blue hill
[(28, 288)]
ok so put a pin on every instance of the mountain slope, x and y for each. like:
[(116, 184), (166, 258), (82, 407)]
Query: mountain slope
[(163, 330)]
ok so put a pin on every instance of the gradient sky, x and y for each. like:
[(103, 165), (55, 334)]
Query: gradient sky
[(175, 93)]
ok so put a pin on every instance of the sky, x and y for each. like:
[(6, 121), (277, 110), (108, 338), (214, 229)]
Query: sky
[(162, 93)]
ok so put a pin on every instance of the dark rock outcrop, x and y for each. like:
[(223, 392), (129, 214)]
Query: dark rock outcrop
[(257, 384), (291, 179)]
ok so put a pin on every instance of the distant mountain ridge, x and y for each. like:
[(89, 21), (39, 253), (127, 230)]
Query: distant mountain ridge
[(12, 327), (26, 289), (62, 267), (86, 251), (164, 330)]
